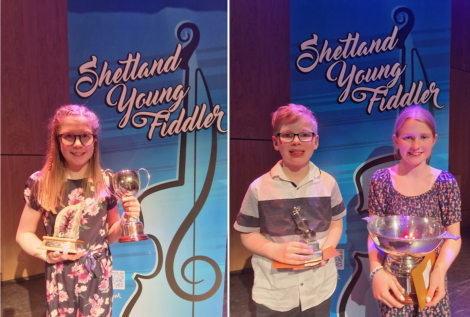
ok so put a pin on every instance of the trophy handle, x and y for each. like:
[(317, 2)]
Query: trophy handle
[(148, 177), (110, 174)]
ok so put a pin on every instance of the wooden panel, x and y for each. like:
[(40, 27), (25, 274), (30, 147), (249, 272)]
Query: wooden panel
[(459, 128), (248, 161), (460, 34), (259, 65), (34, 72), (15, 171)]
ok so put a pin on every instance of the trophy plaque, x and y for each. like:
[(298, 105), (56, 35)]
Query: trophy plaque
[(307, 236), (66, 230), (406, 240), (127, 182)]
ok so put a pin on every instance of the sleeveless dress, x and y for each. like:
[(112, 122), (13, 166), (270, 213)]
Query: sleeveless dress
[(83, 287), (441, 202)]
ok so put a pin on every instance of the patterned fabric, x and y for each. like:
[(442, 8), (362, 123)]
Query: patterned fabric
[(71, 288), (267, 208), (442, 202)]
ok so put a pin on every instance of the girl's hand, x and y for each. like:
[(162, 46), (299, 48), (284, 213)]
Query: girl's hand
[(57, 256), (383, 285), (437, 288), (293, 252), (131, 207)]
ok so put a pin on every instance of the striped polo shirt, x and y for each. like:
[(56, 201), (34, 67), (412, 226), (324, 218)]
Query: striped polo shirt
[(267, 208)]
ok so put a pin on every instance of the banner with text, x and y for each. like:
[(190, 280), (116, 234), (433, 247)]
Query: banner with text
[(155, 72), (356, 65)]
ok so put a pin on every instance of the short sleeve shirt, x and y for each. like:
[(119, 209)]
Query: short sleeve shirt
[(267, 208)]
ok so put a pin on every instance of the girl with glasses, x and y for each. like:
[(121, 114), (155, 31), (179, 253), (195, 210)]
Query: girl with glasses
[(77, 283)]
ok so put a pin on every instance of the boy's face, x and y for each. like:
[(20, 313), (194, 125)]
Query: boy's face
[(296, 154)]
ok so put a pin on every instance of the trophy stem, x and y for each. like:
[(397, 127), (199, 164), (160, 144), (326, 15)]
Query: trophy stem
[(401, 267), (132, 231)]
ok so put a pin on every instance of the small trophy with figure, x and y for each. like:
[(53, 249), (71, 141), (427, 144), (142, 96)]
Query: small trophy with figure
[(66, 231), (307, 236)]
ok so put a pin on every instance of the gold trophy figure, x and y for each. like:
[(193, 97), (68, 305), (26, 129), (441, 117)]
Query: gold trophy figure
[(307, 236), (66, 230)]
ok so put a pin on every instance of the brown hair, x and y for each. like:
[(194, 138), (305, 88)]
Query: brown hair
[(50, 187), (417, 113), (292, 113)]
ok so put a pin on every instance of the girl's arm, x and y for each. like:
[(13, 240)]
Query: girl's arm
[(26, 234), (449, 251), (383, 283)]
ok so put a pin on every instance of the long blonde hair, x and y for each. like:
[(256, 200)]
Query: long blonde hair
[(50, 187)]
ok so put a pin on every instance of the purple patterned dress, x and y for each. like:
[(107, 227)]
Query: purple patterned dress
[(72, 289), (442, 202)]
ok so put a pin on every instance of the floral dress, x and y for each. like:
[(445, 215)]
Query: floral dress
[(82, 287), (442, 202)]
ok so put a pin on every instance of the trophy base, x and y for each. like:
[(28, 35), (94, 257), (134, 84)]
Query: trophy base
[(139, 237), (410, 299), (132, 231), (58, 244), (317, 252)]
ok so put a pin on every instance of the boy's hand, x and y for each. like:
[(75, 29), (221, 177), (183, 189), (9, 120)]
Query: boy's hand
[(291, 252)]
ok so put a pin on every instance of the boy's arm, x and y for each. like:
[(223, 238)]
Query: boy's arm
[(334, 234), (290, 252)]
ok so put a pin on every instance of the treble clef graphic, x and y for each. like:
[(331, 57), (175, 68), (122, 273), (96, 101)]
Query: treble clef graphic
[(190, 190), (198, 200)]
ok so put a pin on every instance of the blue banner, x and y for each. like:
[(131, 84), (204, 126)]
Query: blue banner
[(356, 64), (155, 72)]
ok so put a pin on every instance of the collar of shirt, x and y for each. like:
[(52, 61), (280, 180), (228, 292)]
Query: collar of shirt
[(313, 174)]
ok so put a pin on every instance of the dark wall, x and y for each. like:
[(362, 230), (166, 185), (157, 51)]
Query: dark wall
[(459, 118), (35, 81), (259, 83)]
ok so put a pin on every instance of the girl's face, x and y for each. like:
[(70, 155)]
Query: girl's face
[(76, 155), (415, 142)]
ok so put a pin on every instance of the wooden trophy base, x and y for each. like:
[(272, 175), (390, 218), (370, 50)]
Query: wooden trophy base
[(138, 237), (58, 244)]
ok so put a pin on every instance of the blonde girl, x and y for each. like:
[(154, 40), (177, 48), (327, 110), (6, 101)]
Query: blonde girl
[(76, 283)]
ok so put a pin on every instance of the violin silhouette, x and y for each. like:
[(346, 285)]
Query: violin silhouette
[(171, 209)]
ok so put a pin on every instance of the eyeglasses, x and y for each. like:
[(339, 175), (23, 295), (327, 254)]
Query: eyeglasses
[(86, 139), (289, 136)]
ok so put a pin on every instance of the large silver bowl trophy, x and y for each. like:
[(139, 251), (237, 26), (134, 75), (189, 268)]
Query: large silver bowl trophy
[(127, 182), (406, 240)]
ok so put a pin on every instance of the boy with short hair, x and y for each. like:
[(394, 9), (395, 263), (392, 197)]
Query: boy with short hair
[(270, 233)]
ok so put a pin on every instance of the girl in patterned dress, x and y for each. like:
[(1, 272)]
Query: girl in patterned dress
[(413, 188), (77, 284)]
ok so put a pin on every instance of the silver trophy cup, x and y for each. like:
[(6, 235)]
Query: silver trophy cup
[(406, 240), (127, 182)]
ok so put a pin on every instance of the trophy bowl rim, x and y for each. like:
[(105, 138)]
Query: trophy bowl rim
[(376, 219)]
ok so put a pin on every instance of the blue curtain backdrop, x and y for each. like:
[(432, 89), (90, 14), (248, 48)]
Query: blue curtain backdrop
[(355, 129), (180, 270)]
